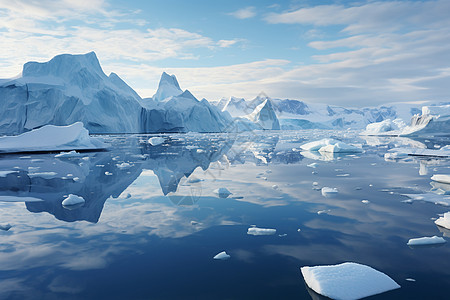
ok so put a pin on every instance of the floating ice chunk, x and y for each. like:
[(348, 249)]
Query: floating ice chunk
[(72, 200), (441, 178), (329, 192), (312, 165), (222, 256), (123, 166), (6, 173), (222, 192), (69, 154), (410, 279), (45, 175), (5, 227), (316, 145), (275, 187), (108, 173), (423, 241), (347, 281), (51, 138), (444, 221), (282, 235), (365, 201), (156, 140), (320, 212), (200, 151), (190, 147), (261, 231)]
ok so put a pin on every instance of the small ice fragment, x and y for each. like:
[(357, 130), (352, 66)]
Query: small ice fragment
[(298, 230), (5, 226), (76, 179), (365, 201), (222, 192), (85, 158), (441, 178), (108, 173), (358, 188), (72, 200), (222, 256), (320, 212), (343, 175), (190, 147), (370, 184), (410, 279), (200, 151), (315, 183), (193, 223), (123, 166), (408, 201), (282, 235), (329, 192), (444, 221), (314, 172), (347, 281), (261, 231), (312, 165), (275, 187), (264, 178), (434, 240), (37, 160), (194, 180), (156, 140), (69, 154)]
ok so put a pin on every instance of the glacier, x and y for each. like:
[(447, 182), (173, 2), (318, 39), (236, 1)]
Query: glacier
[(74, 88)]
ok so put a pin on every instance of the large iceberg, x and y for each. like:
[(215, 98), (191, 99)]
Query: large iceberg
[(347, 281), (51, 138), (264, 116), (74, 88)]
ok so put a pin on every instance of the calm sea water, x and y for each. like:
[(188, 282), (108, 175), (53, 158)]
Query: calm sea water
[(152, 223)]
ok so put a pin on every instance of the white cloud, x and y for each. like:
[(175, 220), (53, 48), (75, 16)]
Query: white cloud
[(244, 13)]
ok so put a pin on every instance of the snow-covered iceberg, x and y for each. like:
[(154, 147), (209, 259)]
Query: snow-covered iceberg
[(51, 138), (444, 221), (330, 145), (426, 241), (347, 281)]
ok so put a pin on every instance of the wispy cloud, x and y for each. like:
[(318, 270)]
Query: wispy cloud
[(244, 13)]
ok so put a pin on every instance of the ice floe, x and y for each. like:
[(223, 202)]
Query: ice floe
[(261, 231), (424, 241), (329, 192), (429, 197), (156, 140), (444, 221), (330, 146), (222, 256), (51, 138), (347, 281), (73, 200), (441, 178)]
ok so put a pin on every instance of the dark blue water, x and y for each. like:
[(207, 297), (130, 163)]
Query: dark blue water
[(150, 229)]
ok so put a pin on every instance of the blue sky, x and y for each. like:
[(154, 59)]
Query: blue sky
[(352, 53)]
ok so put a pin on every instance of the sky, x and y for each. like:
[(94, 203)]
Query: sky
[(350, 53)]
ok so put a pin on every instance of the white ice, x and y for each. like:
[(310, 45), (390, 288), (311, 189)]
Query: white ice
[(51, 138), (72, 200), (156, 140), (329, 192), (441, 178), (69, 154), (444, 221), (347, 281), (434, 240), (261, 231), (330, 146), (222, 256)]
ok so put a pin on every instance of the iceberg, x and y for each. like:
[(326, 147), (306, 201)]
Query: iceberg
[(426, 241), (222, 256), (156, 140), (443, 178), (261, 231), (347, 281), (51, 138), (444, 221), (330, 146), (388, 125), (72, 200), (264, 116)]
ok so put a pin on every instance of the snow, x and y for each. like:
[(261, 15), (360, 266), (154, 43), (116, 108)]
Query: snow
[(222, 192), (444, 221), (444, 178), (347, 281), (51, 138), (261, 231), (222, 256), (72, 200), (329, 192), (423, 241), (156, 140), (330, 146)]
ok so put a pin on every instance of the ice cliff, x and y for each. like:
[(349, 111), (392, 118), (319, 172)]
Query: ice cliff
[(74, 88)]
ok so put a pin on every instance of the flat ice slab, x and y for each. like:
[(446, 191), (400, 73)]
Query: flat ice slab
[(423, 241), (73, 200), (156, 140), (51, 138), (347, 281), (222, 256), (441, 178), (444, 221), (261, 231), (331, 146)]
